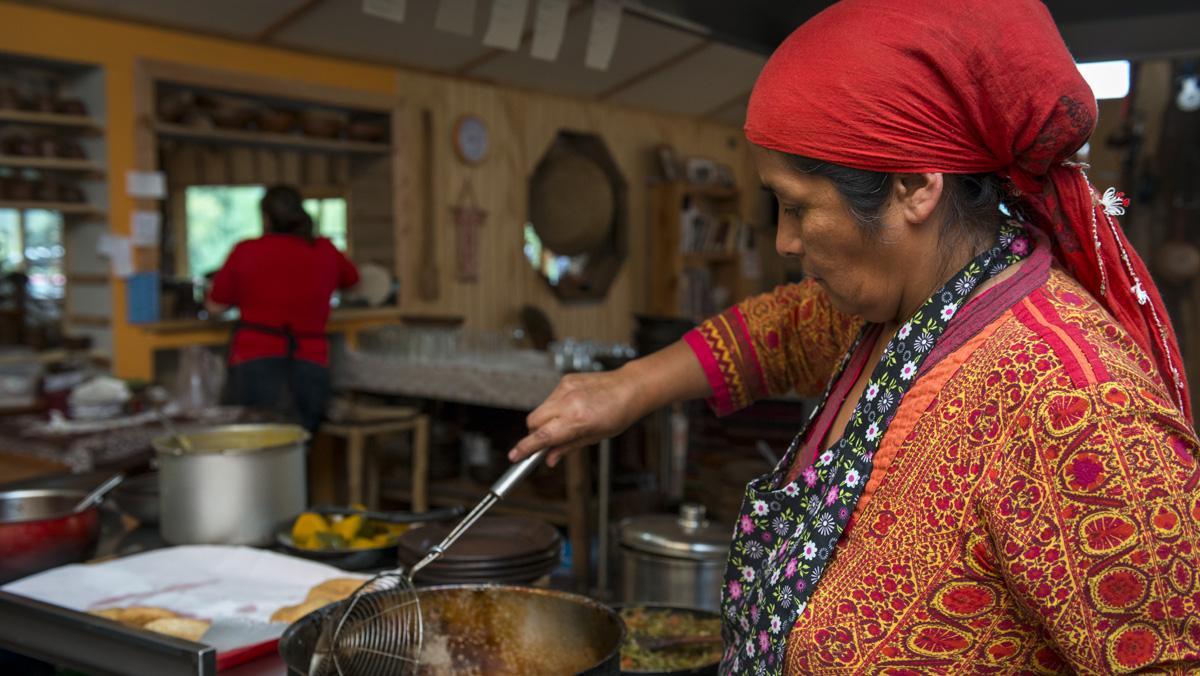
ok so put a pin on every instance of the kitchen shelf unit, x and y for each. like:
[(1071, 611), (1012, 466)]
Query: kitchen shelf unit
[(57, 164), (715, 257), (87, 301), (78, 123)]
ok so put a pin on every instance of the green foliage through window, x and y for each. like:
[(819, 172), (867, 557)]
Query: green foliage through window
[(31, 241), (220, 216)]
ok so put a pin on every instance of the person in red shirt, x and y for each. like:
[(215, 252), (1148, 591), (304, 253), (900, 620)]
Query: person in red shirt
[(282, 283)]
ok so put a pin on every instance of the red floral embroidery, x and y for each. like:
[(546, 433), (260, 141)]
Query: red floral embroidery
[(1121, 588), (1086, 472), (933, 640), (1106, 533), (1065, 412), (1135, 647)]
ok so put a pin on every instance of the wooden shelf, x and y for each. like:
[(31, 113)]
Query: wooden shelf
[(52, 164), (82, 122), (237, 136), (71, 208)]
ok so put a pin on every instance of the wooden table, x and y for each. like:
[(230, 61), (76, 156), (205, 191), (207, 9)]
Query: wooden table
[(519, 384), (20, 467)]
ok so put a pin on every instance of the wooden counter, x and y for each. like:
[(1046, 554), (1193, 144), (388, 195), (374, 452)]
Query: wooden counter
[(175, 333)]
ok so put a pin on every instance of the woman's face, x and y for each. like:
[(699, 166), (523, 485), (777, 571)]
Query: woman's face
[(864, 273)]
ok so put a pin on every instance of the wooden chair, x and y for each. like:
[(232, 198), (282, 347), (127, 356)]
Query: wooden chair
[(358, 424)]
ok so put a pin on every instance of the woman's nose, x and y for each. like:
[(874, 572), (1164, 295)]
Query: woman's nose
[(788, 244)]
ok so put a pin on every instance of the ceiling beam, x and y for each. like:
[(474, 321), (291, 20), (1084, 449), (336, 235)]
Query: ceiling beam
[(304, 7), (653, 70), (496, 52)]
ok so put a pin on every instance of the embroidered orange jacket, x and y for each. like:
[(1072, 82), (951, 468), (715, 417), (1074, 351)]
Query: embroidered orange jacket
[(1034, 505)]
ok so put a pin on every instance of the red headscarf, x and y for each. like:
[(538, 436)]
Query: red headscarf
[(969, 86)]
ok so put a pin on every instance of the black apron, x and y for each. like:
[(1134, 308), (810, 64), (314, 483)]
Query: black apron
[(284, 382)]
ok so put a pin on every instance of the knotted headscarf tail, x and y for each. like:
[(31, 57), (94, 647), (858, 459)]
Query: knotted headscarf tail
[(971, 86)]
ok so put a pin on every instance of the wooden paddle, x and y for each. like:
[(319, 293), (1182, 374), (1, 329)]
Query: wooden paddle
[(427, 273)]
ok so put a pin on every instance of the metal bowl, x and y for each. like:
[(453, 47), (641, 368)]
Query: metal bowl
[(138, 497), (496, 630), (373, 558)]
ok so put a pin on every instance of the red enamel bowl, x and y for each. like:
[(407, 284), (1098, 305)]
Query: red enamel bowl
[(39, 531)]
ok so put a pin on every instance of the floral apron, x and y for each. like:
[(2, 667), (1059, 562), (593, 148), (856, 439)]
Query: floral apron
[(785, 535)]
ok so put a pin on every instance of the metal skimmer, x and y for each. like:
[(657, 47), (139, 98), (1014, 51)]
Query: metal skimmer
[(377, 631)]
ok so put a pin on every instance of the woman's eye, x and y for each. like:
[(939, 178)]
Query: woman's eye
[(793, 211)]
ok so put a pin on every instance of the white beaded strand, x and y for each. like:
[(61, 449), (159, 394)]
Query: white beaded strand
[(1110, 204)]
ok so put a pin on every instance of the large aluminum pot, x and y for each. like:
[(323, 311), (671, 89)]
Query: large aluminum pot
[(493, 629), (39, 530), (234, 485), (673, 560)]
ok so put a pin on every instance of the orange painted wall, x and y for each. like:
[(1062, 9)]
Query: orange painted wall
[(116, 46)]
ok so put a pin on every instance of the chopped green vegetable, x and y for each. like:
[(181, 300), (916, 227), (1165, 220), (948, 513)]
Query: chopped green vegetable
[(649, 623)]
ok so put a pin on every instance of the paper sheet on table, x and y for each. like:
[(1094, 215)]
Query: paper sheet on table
[(203, 581)]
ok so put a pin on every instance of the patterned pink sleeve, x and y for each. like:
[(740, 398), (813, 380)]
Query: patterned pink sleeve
[(788, 339)]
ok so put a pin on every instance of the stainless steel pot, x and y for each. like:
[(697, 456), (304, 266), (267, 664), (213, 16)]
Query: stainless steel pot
[(233, 484), (673, 560)]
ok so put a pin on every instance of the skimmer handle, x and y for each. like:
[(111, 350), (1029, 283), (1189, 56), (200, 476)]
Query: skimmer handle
[(517, 473)]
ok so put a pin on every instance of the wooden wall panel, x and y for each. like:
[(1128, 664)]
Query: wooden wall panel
[(372, 230), (522, 125)]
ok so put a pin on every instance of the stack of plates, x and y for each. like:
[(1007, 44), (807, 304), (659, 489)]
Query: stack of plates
[(501, 549)]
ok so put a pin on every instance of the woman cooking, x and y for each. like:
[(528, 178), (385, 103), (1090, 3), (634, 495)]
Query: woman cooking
[(282, 283), (1003, 473)]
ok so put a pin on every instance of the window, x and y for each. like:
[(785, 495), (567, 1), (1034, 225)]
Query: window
[(31, 242), (1108, 79), (220, 216)]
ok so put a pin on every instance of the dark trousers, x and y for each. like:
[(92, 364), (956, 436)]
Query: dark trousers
[(296, 389)]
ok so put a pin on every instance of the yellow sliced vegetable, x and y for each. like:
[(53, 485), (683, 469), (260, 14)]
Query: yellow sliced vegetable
[(307, 525), (349, 527)]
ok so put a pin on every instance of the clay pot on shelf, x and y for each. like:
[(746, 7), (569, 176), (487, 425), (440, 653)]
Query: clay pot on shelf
[(71, 194), (45, 102), (49, 146), (71, 150), (70, 107), (18, 188), (45, 190), (233, 113), (178, 107), (8, 98), (20, 145), (276, 121), (372, 131), (322, 123)]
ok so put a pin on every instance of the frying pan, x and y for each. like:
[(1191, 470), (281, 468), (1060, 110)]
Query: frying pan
[(495, 630), (39, 530), (359, 559)]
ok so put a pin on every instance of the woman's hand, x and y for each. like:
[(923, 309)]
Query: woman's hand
[(582, 410), (588, 407)]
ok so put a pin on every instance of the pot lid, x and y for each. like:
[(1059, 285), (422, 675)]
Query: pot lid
[(686, 535)]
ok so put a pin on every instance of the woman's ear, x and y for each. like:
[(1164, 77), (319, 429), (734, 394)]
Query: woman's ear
[(918, 195)]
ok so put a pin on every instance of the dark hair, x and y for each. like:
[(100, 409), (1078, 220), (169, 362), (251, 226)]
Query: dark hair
[(971, 202), (283, 212)]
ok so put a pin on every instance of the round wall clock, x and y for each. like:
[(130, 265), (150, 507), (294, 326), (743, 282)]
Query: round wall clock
[(471, 139)]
